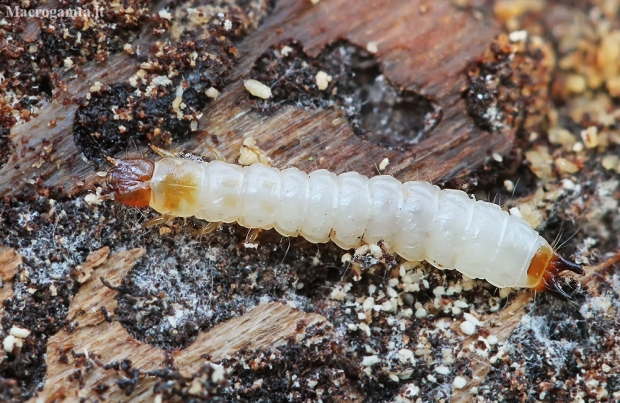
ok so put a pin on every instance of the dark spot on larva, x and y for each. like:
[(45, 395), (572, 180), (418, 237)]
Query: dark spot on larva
[(376, 110)]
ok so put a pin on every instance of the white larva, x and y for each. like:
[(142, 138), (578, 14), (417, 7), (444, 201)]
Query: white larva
[(416, 220)]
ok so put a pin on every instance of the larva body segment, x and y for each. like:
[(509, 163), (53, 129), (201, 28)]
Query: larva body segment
[(352, 210), (416, 220), (294, 201), (221, 192), (386, 201), (322, 201)]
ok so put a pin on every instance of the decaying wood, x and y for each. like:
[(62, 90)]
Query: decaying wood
[(9, 264), (267, 325), (422, 46), (596, 274), (506, 321), (501, 325)]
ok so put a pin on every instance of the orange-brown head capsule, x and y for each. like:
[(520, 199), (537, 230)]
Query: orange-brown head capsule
[(129, 181), (544, 270)]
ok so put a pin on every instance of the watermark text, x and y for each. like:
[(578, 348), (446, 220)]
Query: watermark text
[(53, 13)]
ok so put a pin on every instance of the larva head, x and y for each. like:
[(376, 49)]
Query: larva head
[(544, 270), (129, 181)]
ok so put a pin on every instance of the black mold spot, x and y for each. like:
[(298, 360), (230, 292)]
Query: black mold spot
[(5, 146), (376, 110), (151, 111), (96, 132), (187, 292)]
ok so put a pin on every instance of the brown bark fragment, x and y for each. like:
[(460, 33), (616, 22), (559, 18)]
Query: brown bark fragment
[(9, 264)]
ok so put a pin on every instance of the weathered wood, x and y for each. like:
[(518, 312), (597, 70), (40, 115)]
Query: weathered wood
[(422, 46), (266, 326), (9, 265), (504, 322)]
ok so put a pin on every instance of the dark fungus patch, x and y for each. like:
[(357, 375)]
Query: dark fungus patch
[(152, 107), (208, 384), (167, 299), (6, 149), (508, 87), (352, 81), (35, 52), (52, 239), (318, 368), (538, 356)]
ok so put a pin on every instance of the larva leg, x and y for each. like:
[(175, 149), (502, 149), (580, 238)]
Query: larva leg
[(216, 153), (252, 236), (210, 227), (161, 220), (163, 153), (206, 229)]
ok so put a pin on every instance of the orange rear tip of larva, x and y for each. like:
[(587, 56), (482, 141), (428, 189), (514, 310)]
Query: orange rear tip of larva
[(129, 181), (545, 268)]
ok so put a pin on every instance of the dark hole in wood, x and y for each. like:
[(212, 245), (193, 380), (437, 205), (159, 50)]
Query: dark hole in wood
[(46, 86), (393, 118), (383, 114), (5, 146)]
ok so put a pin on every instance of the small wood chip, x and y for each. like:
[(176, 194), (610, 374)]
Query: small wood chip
[(257, 89)]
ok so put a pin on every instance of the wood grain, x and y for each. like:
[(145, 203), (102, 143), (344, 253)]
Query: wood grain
[(267, 326), (9, 265), (423, 46)]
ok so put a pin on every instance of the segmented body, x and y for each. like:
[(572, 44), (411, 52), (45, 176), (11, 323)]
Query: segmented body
[(417, 220)]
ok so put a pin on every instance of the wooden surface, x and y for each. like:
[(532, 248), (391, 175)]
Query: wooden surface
[(423, 46), (266, 326)]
